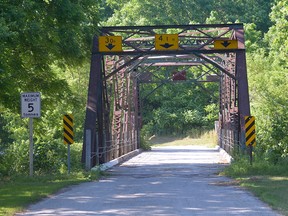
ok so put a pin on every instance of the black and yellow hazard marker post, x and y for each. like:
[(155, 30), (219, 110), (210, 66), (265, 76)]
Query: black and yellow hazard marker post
[(68, 134), (250, 134), (68, 129)]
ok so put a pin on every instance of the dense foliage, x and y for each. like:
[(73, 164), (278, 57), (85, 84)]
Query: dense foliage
[(268, 73), (178, 108), (149, 12), (45, 47)]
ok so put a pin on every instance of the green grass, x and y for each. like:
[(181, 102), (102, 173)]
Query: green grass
[(18, 192), (270, 189), (208, 139), (267, 181)]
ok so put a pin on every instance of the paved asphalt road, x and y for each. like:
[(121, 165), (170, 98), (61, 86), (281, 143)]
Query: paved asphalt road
[(168, 181)]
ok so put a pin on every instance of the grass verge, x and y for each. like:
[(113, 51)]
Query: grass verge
[(208, 139), (17, 193), (267, 181)]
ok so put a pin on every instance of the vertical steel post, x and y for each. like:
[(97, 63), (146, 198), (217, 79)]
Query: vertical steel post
[(100, 114), (106, 116), (92, 106), (88, 139), (243, 91), (138, 115)]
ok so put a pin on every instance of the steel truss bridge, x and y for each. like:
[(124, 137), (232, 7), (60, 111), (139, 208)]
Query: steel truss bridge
[(113, 111)]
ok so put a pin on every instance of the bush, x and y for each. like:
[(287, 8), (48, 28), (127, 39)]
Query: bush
[(144, 144), (50, 154), (241, 166)]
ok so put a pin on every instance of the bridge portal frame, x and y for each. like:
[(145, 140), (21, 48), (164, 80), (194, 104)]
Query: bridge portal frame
[(139, 43)]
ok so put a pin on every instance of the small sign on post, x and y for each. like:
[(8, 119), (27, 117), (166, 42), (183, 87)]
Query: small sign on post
[(250, 134), (68, 134), (31, 105), (30, 108)]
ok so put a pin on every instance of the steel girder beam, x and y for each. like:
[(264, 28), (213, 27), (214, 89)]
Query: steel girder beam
[(114, 83), (242, 82), (94, 118)]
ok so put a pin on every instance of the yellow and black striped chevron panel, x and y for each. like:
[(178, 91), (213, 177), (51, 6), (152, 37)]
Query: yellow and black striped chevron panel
[(250, 132), (68, 129)]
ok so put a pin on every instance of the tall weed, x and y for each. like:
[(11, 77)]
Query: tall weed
[(241, 167)]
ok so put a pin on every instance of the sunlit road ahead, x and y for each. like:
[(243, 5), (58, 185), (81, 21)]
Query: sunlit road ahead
[(167, 181)]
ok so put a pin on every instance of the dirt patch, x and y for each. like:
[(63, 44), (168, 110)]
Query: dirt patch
[(226, 183)]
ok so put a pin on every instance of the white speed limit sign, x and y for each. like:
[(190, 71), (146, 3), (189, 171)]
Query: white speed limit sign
[(30, 105)]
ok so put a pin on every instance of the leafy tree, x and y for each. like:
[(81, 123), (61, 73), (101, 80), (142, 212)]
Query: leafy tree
[(147, 12), (255, 11), (253, 38), (37, 34), (277, 37), (268, 87), (45, 47)]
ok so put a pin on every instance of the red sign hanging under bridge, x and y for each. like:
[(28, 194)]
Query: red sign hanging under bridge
[(179, 75)]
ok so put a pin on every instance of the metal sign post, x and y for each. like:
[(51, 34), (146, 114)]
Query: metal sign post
[(31, 146), (31, 108), (68, 158)]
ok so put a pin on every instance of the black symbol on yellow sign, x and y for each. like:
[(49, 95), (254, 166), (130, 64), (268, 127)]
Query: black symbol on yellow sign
[(110, 43), (68, 129), (250, 132), (225, 44), (166, 42)]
